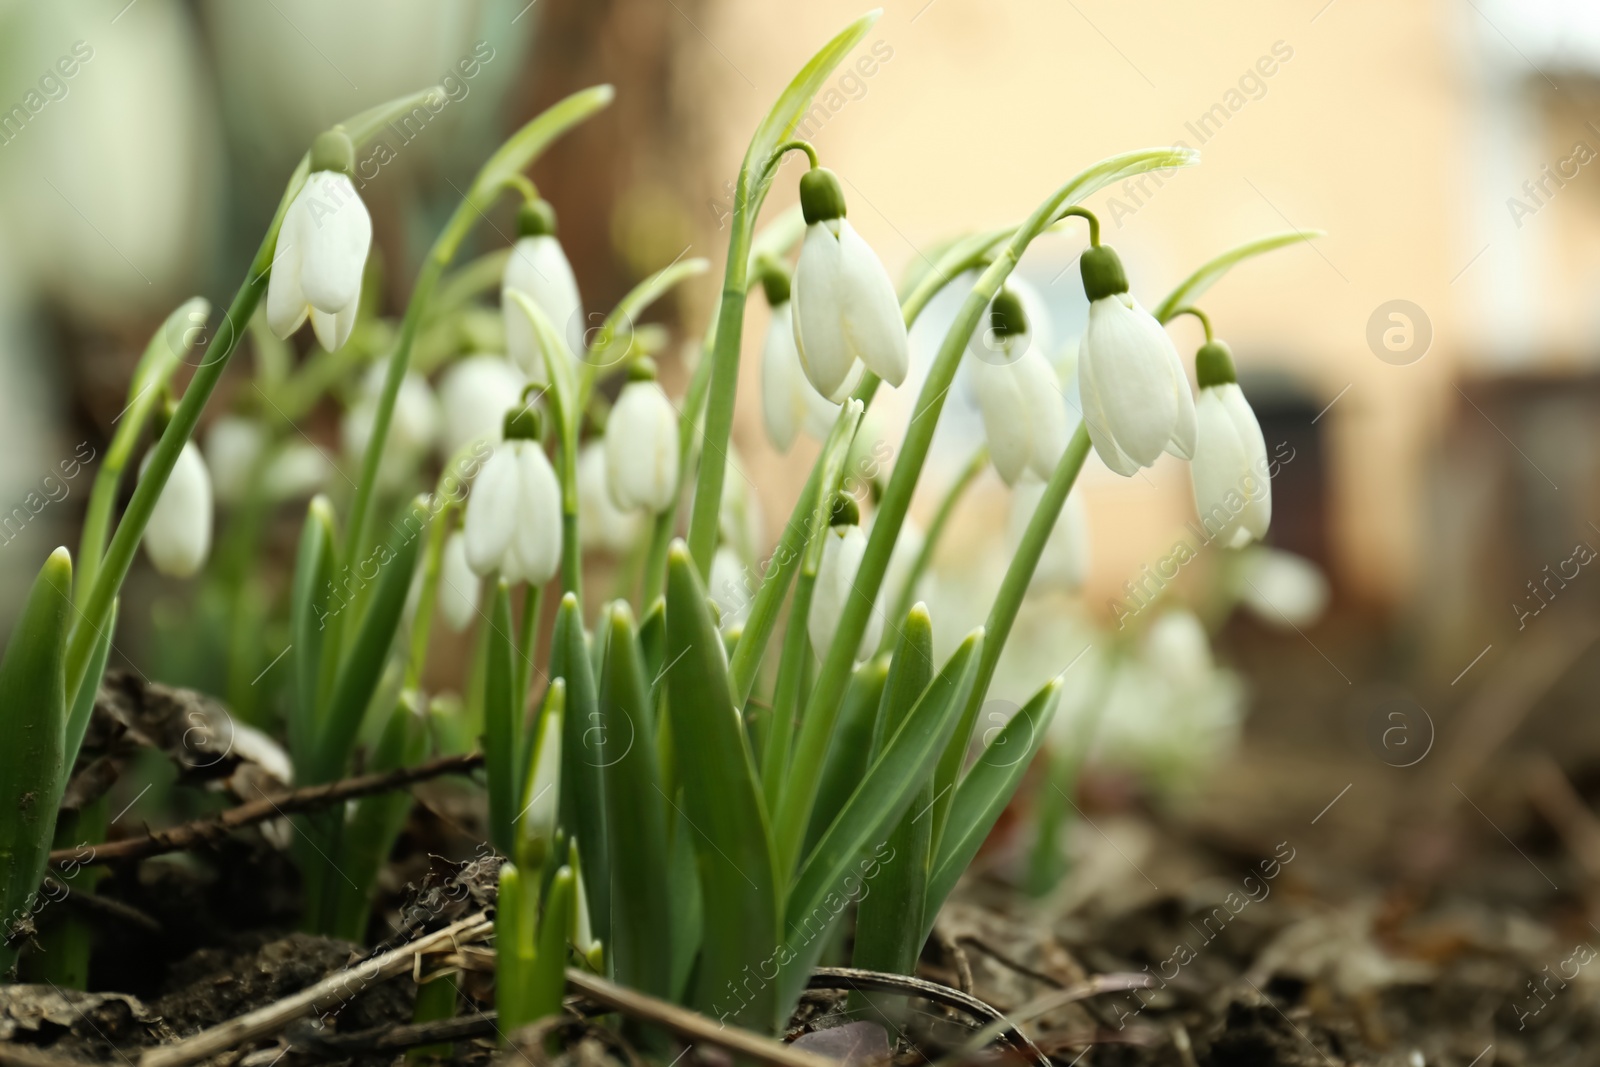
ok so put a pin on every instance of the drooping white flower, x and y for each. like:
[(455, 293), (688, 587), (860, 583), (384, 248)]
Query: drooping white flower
[(474, 396), (844, 305), (1232, 480), (1135, 395), (1024, 414), (178, 536), (1281, 588), (642, 444), (601, 524), (513, 518), (538, 268), (730, 588), (1064, 564), (322, 248), (458, 585), (232, 448), (842, 548), (789, 403), (413, 423), (1176, 645)]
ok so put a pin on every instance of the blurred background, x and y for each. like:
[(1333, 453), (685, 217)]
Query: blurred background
[(1428, 372)]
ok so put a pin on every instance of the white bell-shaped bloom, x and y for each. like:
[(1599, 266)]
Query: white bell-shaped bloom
[(1024, 413), (731, 588), (601, 524), (1064, 563), (232, 448), (1135, 396), (299, 469), (789, 402), (413, 423), (1232, 478), (642, 446), (458, 585), (474, 396), (178, 535), (1177, 645), (844, 305), (1281, 588), (513, 519), (842, 549), (322, 249), (538, 268)]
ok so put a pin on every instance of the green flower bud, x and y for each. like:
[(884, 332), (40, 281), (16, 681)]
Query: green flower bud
[(774, 281), (332, 150), (1006, 316), (536, 218), (522, 424), (1102, 271), (821, 198), (846, 512), (1213, 365), (642, 369)]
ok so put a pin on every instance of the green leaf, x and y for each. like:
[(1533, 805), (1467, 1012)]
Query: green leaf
[(33, 715), (640, 949), (617, 330), (985, 792), (308, 609), (582, 813), (83, 703), (850, 752), (527, 144), (722, 804), (825, 885), (889, 931), (514, 948), (501, 724), (358, 674), (540, 796), (792, 105), (1195, 285), (547, 979)]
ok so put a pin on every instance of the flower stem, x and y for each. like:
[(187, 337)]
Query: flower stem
[(1084, 213), (1205, 320)]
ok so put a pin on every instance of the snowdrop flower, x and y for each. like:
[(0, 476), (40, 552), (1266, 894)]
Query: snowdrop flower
[(730, 588), (1176, 645), (322, 248), (1281, 588), (413, 424), (178, 536), (789, 403), (642, 444), (1064, 563), (538, 268), (1135, 396), (513, 518), (844, 305), (458, 586), (474, 396), (1232, 486), (232, 447), (842, 548), (601, 524), (1024, 415)]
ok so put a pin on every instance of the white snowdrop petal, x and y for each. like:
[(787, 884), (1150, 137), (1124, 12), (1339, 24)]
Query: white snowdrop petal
[(601, 524), (491, 512), (1132, 363), (232, 447), (783, 406), (337, 234), (1094, 413), (333, 330), (1005, 418), (178, 536), (536, 543), (729, 587), (873, 327), (538, 268), (474, 396), (1219, 468), (819, 337), (1257, 482), (458, 585), (841, 559), (286, 301), (1046, 412), (642, 448)]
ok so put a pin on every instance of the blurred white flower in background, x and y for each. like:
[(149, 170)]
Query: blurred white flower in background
[(1280, 588), (474, 395), (730, 588), (601, 524), (412, 428), (178, 536), (232, 450), (458, 586)]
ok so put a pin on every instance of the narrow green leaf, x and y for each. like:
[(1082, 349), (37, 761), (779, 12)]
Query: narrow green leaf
[(33, 714), (985, 792), (687, 904), (582, 807), (636, 830), (826, 884), (547, 979), (653, 641), (501, 724), (1194, 286), (722, 803), (527, 144), (308, 610), (513, 946), (850, 753), (358, 675), (889, 932), (535, 822), (83, 703)]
